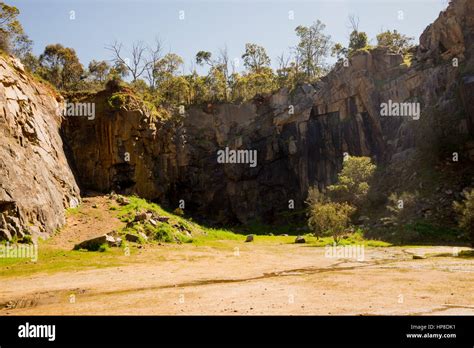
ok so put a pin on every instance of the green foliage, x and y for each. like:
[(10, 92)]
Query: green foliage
[(203, 57), (27, 239), (103, 248), (290, 76), (12, 37), (60, 66), (255, 58), (99, 70), (395, 41), (164, 233), (402, 207), (339, 51), (358, 40), (117, 101), (425, 233), (199, 91), (217, 83), (31, 62), (315, 196), (465, 211), (312, 49), (173, 230), (249, 85), (353, 180), (175, 90), (332, 214), (329, 219), (178, 211), (167, 67), (140, 87)]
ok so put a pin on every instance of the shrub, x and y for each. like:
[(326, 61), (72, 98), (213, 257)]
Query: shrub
[(353, 180), (117, 101), (26, 239), (402, 206), (328, 218), (315, 196), (102, 248), (164, 233), (395, 41), (465, 210), (178, 211)]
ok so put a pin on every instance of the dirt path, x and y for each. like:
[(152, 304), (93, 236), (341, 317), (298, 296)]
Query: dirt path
[(263, 279), (93, 219)]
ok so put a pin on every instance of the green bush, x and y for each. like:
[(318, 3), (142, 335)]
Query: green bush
[(178, 211), (104, 247), (329, 219), (117, 101), (26, 239), (164, 233), (353, 180), (465, 210)]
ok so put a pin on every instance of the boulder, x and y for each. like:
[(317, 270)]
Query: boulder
[(4, 234), (122, 200), (141, 217), (419, 257), (132, 238), (249, 238), (95, 243), (300, 240)]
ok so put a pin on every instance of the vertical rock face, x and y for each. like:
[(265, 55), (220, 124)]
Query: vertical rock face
[(36, 184), (300, 137), (122, 150)]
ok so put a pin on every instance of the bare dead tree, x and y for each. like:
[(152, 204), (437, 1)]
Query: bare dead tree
[(223, 62), (283, 64), (154, 55), (353, 22), (192, 67), (137, 64)]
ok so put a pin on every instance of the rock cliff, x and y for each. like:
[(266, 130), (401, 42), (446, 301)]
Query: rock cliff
[(300, 136), (36, 184)]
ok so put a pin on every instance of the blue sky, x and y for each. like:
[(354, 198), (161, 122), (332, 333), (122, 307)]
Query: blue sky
[(210, 24)]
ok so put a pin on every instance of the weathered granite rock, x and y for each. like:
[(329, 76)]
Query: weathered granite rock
[(36, 183), (94, 244)]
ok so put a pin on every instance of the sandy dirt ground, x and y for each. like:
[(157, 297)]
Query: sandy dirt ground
[(261, 279)]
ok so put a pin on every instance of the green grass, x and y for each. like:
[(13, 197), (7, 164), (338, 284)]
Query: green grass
[(258, 228), (466, 254), (211, 236), (54, 260), (164, 231), (217, 237), (73, 211)]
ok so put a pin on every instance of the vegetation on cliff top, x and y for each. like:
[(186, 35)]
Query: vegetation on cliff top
[(159, 79)]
